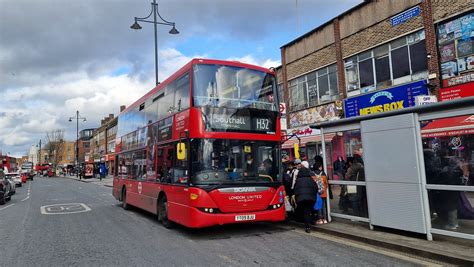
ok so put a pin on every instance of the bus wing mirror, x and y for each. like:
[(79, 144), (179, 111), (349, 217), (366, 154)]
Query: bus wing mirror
[(181, 149), (296, 148)]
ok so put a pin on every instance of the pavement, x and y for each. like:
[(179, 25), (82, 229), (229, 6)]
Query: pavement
[(442, 248), (107, 181), (62, 222)]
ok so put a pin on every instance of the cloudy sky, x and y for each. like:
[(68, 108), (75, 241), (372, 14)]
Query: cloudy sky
[(59, 56)]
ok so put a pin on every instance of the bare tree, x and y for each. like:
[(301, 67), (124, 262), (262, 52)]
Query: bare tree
[(55, 145)]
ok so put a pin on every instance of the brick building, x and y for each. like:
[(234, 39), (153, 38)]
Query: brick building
[(84, 144), (110, 135), (375, 57), (99, 140), (67, 153)]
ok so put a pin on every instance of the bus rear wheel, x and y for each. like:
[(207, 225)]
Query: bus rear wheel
[(163, 213), (125, 205)]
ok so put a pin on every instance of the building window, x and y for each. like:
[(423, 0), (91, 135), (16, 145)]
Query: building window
[(314, 88), (400, 61), (456, 49)]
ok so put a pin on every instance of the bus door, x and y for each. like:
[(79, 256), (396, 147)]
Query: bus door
[(175, 179)]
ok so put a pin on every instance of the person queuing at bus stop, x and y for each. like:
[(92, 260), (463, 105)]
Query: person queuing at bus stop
[(305, 194), (321, 175)]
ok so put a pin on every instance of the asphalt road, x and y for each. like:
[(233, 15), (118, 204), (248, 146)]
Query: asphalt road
[(101, 233)]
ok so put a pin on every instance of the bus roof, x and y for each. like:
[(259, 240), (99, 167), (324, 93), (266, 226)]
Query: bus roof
[(188, 66)]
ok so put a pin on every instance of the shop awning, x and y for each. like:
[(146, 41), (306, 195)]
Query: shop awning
[(454, 126), (306, 139)]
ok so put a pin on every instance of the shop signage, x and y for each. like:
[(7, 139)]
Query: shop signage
[(304, 131), (463, 78), (404, 16), (283, 109), (464, 90), (391, 99), (313, 115), (421, 100)]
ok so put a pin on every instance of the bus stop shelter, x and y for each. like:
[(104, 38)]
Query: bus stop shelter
[(411, 169)]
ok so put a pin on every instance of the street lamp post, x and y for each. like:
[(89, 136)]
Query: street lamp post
[(76, 151), (154, 11)]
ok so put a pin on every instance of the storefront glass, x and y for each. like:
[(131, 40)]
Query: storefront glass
[(448, 150), (345, 145), (346, 174), (354, 204)]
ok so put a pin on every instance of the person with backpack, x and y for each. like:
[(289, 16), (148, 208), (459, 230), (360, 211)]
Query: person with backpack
[(321, 180), (305, 194)]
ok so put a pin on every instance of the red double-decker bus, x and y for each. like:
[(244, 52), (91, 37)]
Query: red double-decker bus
[(203, 147)]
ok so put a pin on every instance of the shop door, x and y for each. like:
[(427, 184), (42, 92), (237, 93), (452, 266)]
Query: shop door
[(393, 173)]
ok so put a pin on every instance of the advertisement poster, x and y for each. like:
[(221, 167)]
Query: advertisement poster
[(463, 78), (313, 115), (386, 100), (465, 47), (467, 26), (447, 52), (449, 69)]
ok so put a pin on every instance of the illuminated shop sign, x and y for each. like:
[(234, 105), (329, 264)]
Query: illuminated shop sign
[(391, 99)]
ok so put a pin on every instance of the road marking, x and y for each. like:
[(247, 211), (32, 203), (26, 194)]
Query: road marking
[(7, 206), (26, 198), (61, 209), (369, 248)]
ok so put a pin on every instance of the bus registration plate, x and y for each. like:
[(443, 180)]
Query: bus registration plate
[(248, 217)]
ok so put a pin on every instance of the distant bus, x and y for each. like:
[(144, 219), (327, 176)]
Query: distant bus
[(203, 147)]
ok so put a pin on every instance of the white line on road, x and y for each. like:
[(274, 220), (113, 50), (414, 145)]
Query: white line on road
[(28, 193), (7, 206)]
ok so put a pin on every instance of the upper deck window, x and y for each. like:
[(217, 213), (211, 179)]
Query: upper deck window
[(233, 87)]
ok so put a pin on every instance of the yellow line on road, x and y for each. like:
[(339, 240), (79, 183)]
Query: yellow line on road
[(368, 248)]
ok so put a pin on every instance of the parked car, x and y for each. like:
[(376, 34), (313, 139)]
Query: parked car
[(5, 188), (16, 177)]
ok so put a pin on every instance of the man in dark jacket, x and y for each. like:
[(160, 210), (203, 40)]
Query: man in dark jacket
[(305, 193)]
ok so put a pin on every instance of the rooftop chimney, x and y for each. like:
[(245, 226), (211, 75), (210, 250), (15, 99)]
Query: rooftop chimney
[(122, 108)]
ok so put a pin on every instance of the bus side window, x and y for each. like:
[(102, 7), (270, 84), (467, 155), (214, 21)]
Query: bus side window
[(160, 164)]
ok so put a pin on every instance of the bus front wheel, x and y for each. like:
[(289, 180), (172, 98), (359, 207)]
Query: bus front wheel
[(163, 213)]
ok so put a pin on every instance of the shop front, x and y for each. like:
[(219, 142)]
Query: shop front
[(410, 169), (308, 140)]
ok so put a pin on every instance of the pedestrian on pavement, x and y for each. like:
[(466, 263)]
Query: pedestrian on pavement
[(357, 197), (321, 176), (339, 168), (305, 194), (294, 175), (288, 178)]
